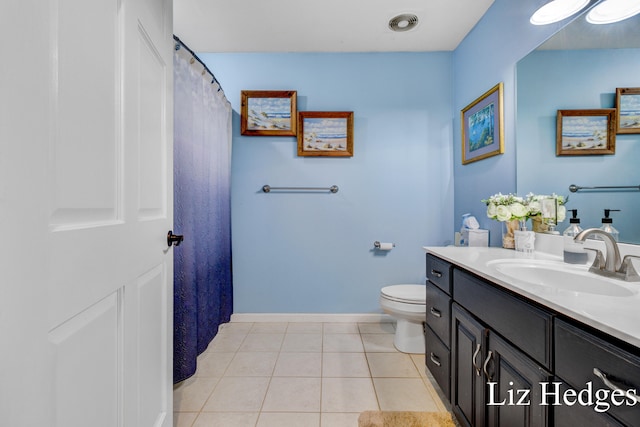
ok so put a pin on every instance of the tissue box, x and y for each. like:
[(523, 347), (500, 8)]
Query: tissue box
[(477, 237)]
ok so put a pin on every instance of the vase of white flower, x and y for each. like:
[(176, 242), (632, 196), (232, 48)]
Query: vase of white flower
[(539, 225), (512, 211)]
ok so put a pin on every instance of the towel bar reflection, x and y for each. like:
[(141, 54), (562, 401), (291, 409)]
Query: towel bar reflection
[(268, 189), (574, 188)]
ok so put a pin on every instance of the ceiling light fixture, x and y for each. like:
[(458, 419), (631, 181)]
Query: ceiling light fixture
[(610, 11), (557, 10), (403, 22)]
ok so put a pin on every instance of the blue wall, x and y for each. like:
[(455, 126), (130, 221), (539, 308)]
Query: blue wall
[(313, 253), (487, 56), (553, 80)]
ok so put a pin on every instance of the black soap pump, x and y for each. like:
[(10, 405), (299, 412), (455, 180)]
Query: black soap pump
[(607, 224), (573, 252)]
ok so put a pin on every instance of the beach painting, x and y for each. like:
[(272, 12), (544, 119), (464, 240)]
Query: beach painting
[(482, 129), (268, 113), (327, 134), (628, 106), (584, 132)]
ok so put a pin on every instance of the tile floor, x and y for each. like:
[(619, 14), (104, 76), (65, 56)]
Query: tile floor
[(302, 374)]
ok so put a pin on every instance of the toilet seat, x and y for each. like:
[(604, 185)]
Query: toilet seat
[(407, 294)]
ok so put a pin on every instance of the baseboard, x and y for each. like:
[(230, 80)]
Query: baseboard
[(312, 317)]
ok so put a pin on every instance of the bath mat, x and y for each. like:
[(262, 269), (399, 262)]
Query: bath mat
[(405, 419)]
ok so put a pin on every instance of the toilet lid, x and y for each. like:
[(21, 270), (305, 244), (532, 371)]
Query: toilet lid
[(414, 294)]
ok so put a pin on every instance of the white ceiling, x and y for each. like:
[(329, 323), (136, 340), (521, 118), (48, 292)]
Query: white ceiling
[(323, 26)]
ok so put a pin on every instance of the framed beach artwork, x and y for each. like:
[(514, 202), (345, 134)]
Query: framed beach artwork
[(323, 133), (482, 126), (585, 132), (268, 113), (628, 109)]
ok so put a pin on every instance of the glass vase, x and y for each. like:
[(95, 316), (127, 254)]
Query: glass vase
[(508, 239)]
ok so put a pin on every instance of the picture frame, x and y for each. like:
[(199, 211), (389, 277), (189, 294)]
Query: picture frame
[(482, 126), (586, 132), (628, 110), (268, 113), (325, 133)]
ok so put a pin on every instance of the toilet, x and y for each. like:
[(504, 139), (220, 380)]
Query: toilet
[(407, 304)]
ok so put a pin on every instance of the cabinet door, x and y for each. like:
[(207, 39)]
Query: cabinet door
[(467, 381), (514, 386)]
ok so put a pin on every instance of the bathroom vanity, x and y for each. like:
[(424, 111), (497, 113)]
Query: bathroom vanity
[(515, 349)]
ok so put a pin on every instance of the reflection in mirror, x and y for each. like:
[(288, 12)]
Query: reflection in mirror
[(579, 68)]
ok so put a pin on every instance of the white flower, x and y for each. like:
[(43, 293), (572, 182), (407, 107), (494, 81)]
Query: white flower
[(534, 207), (561, 213), (519, 210), (491, 210), (503, 213)]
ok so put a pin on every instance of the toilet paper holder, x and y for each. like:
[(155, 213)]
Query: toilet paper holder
[(383, 246)]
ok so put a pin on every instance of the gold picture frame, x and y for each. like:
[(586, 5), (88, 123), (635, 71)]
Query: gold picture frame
[(482, 126), (325, 133), (586, 132), (628, 110), (268, 113)]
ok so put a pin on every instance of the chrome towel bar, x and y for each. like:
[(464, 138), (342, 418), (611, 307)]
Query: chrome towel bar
[(268, 188), (574, 188)]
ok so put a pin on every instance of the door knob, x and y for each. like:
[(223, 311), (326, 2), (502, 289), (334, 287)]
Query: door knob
[(174, 239)]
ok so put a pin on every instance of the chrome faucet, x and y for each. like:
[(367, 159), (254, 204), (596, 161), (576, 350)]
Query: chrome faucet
[(612, 266)]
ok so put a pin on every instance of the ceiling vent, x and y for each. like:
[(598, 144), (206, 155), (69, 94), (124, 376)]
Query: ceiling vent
[(403, 22)]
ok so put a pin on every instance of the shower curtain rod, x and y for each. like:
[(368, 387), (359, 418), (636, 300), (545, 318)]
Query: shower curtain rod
[(180, 43)]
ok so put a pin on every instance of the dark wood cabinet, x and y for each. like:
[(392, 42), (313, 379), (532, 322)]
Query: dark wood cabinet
[(587, 362), (437, 359), (467, 379), (438, 322), (502, 358), (514, 393)]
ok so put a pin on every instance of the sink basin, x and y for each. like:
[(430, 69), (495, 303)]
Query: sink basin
[(558, 277)]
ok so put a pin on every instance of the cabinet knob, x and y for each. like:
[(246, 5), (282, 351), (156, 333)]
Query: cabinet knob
[(475, 364), (486, 362), (435, 360)]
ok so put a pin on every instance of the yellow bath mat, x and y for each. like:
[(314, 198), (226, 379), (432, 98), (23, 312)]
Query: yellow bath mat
[(405, 419)]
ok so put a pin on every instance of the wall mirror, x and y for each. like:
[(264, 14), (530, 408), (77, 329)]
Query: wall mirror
[(578, 68)]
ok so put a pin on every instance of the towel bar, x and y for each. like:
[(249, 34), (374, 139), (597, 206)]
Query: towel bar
[(574, 188), (268, 188)]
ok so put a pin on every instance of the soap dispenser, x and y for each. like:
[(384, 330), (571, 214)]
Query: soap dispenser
[(573, 252), (607, 224)]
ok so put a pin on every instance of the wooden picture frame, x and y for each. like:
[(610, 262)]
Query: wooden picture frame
[(325, 133), (586, 132), (628, 110), (268, 113), (482, 126)]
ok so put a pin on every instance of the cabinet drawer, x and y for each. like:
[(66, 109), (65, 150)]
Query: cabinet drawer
[(578, 415), (437, 358), (525, 326), (439, 273), (578, 353), (439, 312)]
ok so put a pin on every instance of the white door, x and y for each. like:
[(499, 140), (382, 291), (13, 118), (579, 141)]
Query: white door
[(86, 200)]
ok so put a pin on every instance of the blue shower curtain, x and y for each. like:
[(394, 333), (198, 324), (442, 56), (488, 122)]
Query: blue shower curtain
[(203, 295)]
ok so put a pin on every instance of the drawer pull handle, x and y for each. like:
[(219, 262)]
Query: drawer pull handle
[(598, 373), (435, 312), (486, 362), (475, 355), (436, 273), (435, 360)]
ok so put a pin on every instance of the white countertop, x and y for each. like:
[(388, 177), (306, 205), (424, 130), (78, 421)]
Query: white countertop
[(616, 316)]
